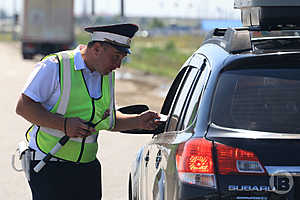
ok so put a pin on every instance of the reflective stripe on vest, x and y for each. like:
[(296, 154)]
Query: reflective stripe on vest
[(112, 101), (63, 104), (58, 133), (78, 149)]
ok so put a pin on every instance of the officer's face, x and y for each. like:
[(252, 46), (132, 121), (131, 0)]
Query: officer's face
[(109, 59)]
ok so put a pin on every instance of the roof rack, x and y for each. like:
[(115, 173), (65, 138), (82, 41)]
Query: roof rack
[(258, 16), (238, 40), (233, 40)]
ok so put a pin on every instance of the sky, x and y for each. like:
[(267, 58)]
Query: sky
[(213, 9), (164, 8)]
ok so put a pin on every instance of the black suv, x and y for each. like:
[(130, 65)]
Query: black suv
[(233, 116)]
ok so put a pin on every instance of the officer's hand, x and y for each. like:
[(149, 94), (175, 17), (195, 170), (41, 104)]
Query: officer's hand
[(76, 127), (148, 120)]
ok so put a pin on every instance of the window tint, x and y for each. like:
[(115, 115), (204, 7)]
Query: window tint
[(195, 98), (180, 101), (172, 91), (258, 99)]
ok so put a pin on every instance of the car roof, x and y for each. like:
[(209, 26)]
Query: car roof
[(223, 46)]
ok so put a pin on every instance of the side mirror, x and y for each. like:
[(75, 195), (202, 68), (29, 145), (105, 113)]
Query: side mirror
[(138, 109), (134, 109)]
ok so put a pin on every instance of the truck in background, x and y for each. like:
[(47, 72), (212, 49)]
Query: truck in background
[(47, 26)]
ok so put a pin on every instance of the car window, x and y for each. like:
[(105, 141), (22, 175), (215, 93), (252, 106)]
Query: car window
[(180, 99), (258, 99), (173, 90), (192, 107)]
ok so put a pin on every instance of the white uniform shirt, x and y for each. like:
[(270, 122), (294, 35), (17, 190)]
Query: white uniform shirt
[(43, 84)]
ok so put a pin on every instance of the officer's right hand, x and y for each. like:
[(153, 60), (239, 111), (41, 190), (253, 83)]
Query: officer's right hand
[(76, 127)]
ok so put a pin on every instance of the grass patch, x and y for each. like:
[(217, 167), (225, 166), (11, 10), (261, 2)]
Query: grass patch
[(6, 37), (82, 38), (157, 60), (162, 55)]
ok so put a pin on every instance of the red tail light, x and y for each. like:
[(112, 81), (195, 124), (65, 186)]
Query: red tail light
[(195, 156), (195, 163), (29, 45), (237, 161), (65, 47)]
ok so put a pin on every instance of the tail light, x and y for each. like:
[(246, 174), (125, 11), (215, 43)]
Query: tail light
[(28, 45), (237, 161), (195, 164), (65, 47)]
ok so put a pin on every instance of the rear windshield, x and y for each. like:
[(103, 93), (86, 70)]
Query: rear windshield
[(258, 99)]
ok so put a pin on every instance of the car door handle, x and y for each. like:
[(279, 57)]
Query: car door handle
[(158, 159), (147, 158)]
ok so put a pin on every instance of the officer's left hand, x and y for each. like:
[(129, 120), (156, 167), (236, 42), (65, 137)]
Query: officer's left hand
[(148, 120)]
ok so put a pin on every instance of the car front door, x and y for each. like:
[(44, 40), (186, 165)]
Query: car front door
[(179, 98), (151, 151)]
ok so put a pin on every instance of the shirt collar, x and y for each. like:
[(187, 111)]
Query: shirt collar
[(79, 64)]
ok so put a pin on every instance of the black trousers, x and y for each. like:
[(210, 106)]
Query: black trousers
[(66, 181)]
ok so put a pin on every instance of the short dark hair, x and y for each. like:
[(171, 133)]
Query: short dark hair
[(90, 44)]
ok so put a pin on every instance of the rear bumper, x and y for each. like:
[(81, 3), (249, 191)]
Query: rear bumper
[(259, 187), (241, 188), (44, 48), (190, 192)]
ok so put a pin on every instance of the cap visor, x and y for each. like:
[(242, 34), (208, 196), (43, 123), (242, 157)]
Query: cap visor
[(121, 49)]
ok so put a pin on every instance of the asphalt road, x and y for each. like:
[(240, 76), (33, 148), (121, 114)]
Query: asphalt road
[(117, 151)]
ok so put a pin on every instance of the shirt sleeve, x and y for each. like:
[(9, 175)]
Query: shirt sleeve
[(43, 81)]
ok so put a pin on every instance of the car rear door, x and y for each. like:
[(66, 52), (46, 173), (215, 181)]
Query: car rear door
[(153, 175), (149, 156), (182, 109)]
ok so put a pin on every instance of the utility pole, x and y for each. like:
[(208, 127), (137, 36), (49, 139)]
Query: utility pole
[(93, 7), (15, 20), (122, 9)]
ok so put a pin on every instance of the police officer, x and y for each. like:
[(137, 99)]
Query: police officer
[(72, 93)]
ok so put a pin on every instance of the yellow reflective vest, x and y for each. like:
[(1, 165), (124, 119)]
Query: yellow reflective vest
[(75, 101)]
